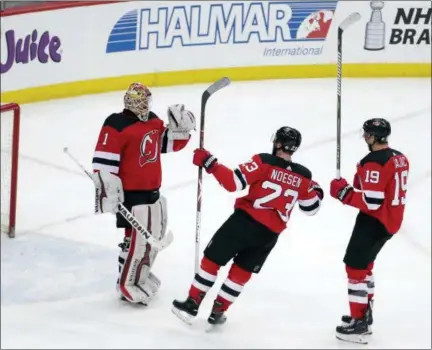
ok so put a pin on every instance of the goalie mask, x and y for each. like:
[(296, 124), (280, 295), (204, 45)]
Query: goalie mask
[(138, 100)]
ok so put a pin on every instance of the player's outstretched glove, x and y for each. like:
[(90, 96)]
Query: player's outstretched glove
[(341, 189), (319, 191), (181, 122), (205, 159)]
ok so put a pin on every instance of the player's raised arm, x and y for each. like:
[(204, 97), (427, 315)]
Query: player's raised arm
[(232, 180), (176, 134)]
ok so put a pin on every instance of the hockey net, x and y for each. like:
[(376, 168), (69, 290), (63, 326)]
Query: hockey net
[(10, 121)]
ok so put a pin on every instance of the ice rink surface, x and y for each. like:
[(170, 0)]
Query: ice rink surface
[(58, 275)]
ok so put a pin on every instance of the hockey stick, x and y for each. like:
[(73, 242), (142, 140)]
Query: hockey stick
[(156, 244), (216, 86), (351, 19)]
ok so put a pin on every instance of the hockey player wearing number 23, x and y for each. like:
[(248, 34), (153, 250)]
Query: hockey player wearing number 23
[(127, 169), (378, 191), (250, 233)]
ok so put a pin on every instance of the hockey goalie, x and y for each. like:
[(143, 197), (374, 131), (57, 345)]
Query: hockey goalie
[(127, 169)]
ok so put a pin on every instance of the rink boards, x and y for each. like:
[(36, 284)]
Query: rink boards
[(64, 52)]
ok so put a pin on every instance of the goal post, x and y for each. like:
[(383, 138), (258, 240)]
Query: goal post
[(10, 128)]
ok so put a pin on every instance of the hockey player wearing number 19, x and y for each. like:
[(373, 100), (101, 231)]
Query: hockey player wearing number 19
[(378, 191), (248, 236)]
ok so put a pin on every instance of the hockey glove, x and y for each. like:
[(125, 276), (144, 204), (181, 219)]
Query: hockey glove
[(319, 191), (204, 159), (109, 192), (181, 122), (341, 189)]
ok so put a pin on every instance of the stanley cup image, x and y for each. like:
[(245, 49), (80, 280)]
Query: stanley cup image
[(375, 28)]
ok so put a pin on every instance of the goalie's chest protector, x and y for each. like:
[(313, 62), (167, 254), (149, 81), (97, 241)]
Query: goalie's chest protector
[(131, 149), (140, 168)]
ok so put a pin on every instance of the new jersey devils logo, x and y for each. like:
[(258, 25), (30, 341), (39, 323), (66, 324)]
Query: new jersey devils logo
[(149, 145)]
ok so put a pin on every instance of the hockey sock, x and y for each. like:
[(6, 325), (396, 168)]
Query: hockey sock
[(357, 292), (233, 286), (204, 279), (370, 280), (128, 232)]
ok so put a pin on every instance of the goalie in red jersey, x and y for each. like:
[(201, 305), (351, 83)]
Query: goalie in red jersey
[(127, 169), (378, 191), (248, 236)]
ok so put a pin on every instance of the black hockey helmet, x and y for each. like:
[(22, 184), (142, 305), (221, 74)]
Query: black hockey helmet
[(377, 127), (289, 138)]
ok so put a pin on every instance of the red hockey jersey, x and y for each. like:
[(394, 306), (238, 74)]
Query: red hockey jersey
[(131, 149), (382, 178), (275, 186)]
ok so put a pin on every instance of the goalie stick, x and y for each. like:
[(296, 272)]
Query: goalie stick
[(132, 220), (216, 86), (347, 22)]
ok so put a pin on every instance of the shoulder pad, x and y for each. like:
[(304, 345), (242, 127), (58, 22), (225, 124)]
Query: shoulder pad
[(301, 170), (275, 161), (153, 115), (380, 157), (270, 159), (120, 121)]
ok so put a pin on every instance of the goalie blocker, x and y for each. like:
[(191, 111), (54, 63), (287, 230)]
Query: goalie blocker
[(127, 169)]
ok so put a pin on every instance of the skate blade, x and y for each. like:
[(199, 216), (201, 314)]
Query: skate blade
[(182, 315), (212, 327), (369, 332), (353, 338)]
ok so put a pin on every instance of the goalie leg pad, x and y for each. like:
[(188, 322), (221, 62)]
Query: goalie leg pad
[(155, 217), (136, 283)]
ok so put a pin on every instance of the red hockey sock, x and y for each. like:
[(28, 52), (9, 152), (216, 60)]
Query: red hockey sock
[(233, 286), (128, 232), (370, 280), (357, 292), (204, 279)]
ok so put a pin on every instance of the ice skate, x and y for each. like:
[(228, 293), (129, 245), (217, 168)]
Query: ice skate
[(185, 310), (354, 332)]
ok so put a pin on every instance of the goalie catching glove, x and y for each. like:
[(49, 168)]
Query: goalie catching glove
[(109, 192), (181, 122)]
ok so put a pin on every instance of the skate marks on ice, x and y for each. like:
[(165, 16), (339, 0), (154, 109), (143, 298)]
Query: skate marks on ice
[(414, 114), (39, 268), (87, 214), (407, 231), (411, 115), (187, 183), (196, 323)]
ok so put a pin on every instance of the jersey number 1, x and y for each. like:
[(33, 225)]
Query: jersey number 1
[(401, 182), (105, 139), (276, 193)]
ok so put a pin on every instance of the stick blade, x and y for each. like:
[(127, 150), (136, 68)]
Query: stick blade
[(350, 20), (217, 85)]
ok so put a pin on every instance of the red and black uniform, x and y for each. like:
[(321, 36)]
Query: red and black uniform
[(250, 233), (275, 186), (131, 149), (380, 187), (382, 178)]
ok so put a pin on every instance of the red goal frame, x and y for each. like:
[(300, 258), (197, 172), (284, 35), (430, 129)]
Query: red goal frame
[(16, 110)]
